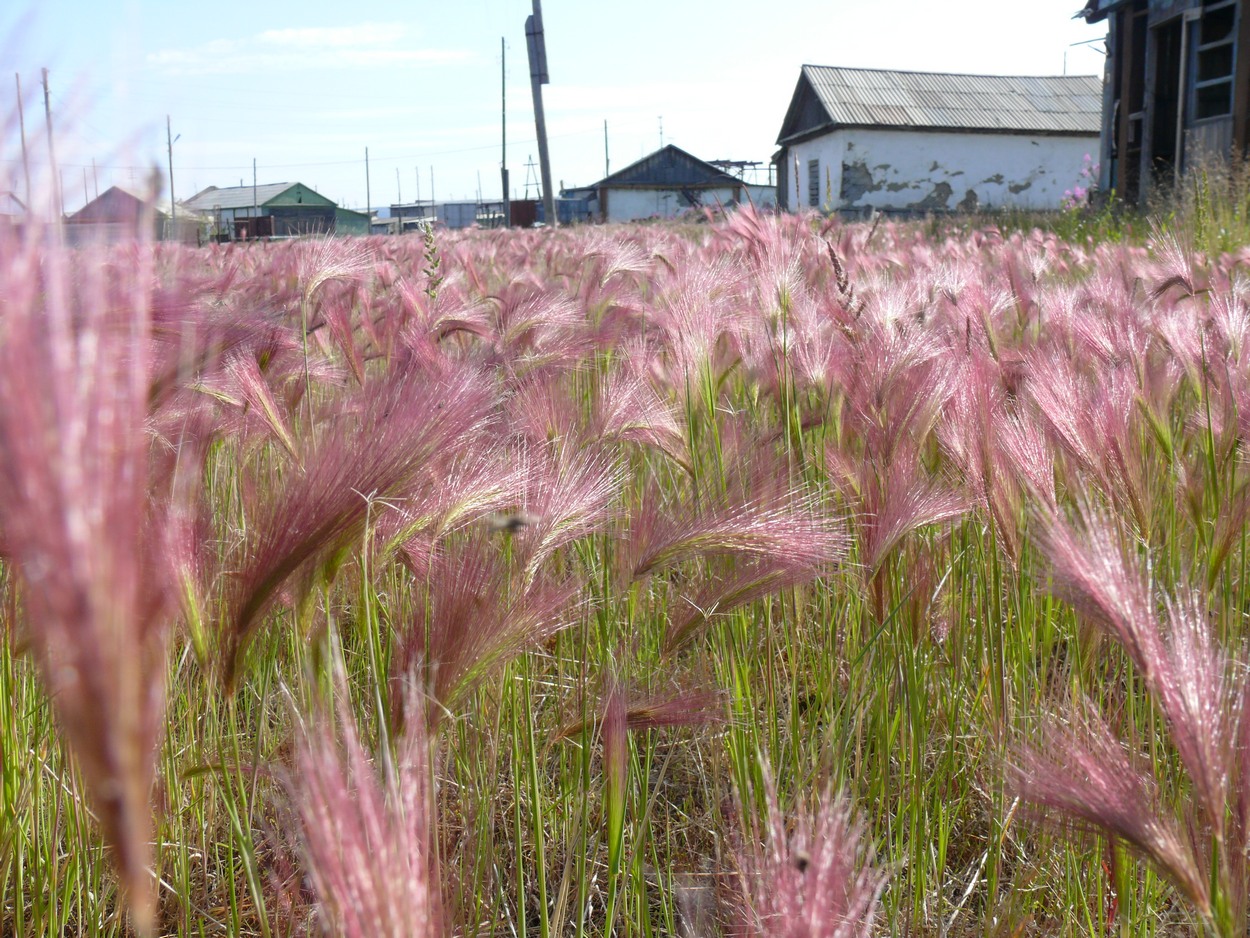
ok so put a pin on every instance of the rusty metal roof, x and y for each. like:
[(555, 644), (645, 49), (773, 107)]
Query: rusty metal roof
[(931, 100)]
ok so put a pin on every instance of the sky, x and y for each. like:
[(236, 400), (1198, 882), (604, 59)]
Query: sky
[(304, 87)]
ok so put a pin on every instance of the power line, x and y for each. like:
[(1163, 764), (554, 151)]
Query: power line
[(404, 158)]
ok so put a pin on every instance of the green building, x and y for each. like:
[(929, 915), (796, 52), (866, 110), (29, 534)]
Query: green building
[(274, 210)]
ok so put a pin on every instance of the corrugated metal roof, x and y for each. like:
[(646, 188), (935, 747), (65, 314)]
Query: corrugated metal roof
[(872, 97), (236, 196)]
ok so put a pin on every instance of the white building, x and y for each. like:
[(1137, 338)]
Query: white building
[(858, 140), (667, 183)]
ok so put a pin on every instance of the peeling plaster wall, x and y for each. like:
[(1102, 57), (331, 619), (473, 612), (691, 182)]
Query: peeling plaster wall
[(829, 150), (863, 169), (632, 204)]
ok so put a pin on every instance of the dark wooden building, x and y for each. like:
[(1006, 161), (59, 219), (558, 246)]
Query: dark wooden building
[(1177, 88), (118, 214)]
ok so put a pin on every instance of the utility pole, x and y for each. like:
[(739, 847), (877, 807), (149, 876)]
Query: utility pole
[(503, 116), (536, 45), (21, 122), (661, 131), (252, 229), (47, 111), (368, 195), (606, 170), (173, 205), (399, 190), (95, 178)]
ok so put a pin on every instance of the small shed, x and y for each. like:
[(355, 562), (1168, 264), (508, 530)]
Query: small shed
[(857, 140), (292, 209), (1177, 88), (119, 214), (667, 183), (349, 222)]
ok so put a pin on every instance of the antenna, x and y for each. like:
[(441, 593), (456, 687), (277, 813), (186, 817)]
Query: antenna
[(530, 178)]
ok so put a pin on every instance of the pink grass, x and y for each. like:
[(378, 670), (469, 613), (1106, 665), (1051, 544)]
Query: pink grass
[(84, 528), (365, 831), (814, 879)]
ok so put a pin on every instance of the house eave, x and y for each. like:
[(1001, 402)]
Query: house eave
[(722, 184), (910, 128)]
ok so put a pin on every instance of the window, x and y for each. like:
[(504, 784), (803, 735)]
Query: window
[(813, 183), (1215, 54)]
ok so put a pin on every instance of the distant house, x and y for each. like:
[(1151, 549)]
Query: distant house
[(119, 214), (418, 217), (1177, 87), (856, 140), (664, 184), (277, 209), (12, 211), (413, 216), (350, 222)]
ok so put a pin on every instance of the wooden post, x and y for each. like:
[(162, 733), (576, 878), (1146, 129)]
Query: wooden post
[(173, 205), (536, 45), (503, 117), (21, 123), (59, 204)]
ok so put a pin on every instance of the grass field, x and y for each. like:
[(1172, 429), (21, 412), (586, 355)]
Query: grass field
[(770, 576)]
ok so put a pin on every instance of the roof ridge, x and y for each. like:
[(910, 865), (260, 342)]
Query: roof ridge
[(915, 71)]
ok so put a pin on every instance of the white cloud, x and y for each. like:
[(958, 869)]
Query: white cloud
[(363, 45), (362, 34)]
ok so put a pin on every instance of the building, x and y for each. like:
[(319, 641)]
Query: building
[(413, 216), (350, 222), (667, 183), (1177, 88), (13, 211), (859, 140), (419, 216), (274, 210), (119, 214)]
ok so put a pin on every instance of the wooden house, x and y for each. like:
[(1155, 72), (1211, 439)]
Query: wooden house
[(119, 214), (278, 209), (1177, 88)]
